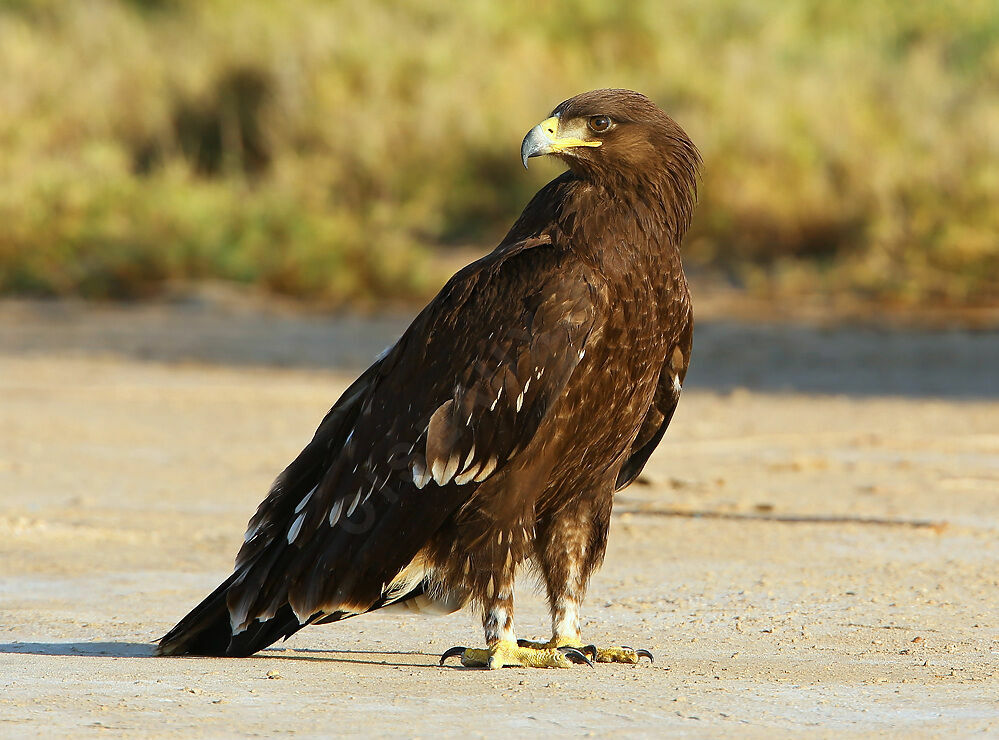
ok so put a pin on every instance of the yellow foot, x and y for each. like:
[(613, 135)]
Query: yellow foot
[(507, 653), (622, 654)]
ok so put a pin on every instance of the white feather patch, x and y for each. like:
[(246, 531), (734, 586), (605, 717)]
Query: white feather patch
[(354, 503), (427, 605), (335, 511), (487, 470), (469, 475), (239, 612), (443, 473), (421, 476), (295, 528), (237, 620), (304, 501), (468, 458), (406, 580), (469, 469), (499, 393), (437, 470)]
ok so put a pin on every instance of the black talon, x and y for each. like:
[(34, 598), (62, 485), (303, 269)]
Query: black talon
[(523, 643), (451, 653), (575, 655), (590, 650), (645, 654)]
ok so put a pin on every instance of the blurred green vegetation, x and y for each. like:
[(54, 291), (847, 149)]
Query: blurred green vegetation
[(325, 149)]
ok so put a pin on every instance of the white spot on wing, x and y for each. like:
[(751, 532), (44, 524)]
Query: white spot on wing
[(468, 458), (295, 528), (335, 511), (423, 604), (421, 476), (444, 472), (353, 504), (467, 476), (487, 470), (499, 393), (237, 617), (372, 490), (304, 501)]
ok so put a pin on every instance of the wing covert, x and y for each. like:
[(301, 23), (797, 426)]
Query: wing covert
[(461, 394), (660, 413)]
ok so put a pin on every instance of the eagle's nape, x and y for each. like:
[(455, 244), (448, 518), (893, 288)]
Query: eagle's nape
[(495, 432)]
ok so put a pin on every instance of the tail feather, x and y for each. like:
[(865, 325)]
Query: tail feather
[(261, 634), (207, 630)]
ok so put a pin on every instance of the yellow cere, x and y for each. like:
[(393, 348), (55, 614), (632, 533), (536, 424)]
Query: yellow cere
[(550, 127)]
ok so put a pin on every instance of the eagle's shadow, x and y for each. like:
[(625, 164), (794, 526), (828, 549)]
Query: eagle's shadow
[(357, 657), (146, 650), (81, 649)]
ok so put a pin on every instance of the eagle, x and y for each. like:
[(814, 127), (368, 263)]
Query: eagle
[(493, 435)]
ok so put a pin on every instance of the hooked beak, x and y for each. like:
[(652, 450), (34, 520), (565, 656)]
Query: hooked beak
[(544, 139)]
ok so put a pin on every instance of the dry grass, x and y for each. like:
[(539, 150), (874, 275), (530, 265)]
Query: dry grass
[(321, 149)]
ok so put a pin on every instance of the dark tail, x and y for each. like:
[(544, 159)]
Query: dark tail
[(207, 631)]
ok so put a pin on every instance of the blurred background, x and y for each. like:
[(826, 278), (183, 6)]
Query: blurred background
[(351, 154), (214, 213)]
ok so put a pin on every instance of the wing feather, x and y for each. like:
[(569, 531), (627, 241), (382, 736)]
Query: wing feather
[(463, 391), (660, 413)]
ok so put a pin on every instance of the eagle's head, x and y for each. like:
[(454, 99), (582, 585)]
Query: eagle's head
[(615, 134), (625, 144)]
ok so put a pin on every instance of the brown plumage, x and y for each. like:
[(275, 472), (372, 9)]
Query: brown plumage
[(496, 430)]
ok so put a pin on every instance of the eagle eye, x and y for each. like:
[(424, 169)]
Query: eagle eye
[(599, 124)]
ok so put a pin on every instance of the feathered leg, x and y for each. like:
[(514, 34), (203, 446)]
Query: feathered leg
[(570, 547), (502, 649)]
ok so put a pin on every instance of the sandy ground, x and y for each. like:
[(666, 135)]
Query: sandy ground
[(814, 548)]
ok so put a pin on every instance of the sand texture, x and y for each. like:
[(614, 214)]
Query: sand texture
[(814, 549)]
